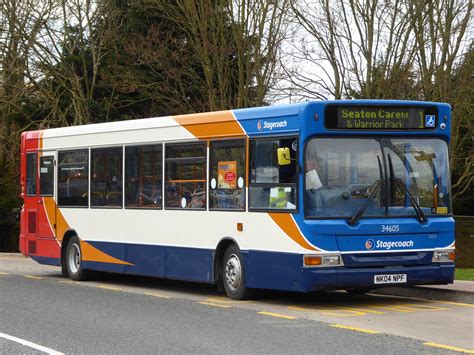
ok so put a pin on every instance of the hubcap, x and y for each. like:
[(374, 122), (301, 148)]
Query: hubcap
[(233, 272), (74, 258)]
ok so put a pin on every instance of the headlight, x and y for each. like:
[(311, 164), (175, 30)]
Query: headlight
[(332, 260), (443, 256)]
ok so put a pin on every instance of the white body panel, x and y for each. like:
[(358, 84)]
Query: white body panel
[(150, 130), (185, 228)]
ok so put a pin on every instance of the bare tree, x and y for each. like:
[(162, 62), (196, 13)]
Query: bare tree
[(350, 44), (236, 43), (13, 87), (398, 49), (63, 54)]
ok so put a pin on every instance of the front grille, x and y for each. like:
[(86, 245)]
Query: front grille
[(387, 259)]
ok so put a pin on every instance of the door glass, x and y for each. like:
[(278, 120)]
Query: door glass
[(46, 176), (272, 186), (31, 173)]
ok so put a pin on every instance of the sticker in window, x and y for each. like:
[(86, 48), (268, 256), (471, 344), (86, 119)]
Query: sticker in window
[(227, 174), (312, 180), (442, 210)]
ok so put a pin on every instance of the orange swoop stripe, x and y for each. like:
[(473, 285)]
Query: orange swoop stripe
[(61, 225), (288, 225), (91, 253), (204, 125)]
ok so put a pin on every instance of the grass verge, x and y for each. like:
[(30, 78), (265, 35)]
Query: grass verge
[(464, 274)]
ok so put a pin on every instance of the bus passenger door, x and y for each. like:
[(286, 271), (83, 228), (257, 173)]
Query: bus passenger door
[(31, 203), (46, 204)]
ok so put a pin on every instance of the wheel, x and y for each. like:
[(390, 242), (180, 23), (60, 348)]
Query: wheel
[(233, 275), (74, 266)]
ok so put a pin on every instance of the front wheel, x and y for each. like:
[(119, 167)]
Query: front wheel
[(73, 260), (233, 275)]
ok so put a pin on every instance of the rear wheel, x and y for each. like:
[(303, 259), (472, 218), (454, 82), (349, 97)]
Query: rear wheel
[(74, 265), (233, 275)]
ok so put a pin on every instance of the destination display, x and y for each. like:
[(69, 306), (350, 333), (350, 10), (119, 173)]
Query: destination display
[(380, 118)]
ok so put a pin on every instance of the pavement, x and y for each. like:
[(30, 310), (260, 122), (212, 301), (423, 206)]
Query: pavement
[(459, 291)]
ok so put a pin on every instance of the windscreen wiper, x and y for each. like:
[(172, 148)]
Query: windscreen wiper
[(376, 186), (398, 183)]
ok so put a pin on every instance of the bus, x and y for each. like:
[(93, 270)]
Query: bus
[(322, 195)]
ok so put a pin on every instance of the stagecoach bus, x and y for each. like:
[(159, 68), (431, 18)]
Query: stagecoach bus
[(325, 195)]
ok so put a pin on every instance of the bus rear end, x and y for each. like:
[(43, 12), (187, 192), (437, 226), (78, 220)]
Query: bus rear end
[(376, 195)]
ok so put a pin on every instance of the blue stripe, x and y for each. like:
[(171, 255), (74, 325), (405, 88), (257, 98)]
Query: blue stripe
[(263, 269), (191, 264), (45, 260)]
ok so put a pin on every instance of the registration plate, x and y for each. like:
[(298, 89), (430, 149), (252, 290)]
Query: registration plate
[(390, 279)]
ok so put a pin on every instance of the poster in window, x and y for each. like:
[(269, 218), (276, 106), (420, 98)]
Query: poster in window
[(227, 174)]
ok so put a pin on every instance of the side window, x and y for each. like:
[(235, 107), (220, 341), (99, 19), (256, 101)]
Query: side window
[(272, 187), (185, 175), (31, 173), (143, 176), (73, 178), (46, 176), (227, 175), (106, 177)]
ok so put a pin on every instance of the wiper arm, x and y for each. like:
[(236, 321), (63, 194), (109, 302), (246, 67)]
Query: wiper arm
[(397, 182), (419, 212), (377, 185)]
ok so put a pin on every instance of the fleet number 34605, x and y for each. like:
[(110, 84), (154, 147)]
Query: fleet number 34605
[(390, 228)]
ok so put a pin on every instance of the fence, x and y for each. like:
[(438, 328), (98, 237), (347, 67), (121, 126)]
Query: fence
[(464, 241)]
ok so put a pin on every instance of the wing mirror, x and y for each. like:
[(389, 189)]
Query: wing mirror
[(284, 156)]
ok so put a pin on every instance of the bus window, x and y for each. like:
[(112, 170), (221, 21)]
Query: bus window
[(272, 187), (185, 175), (46, 176), (106, 177), (31, 173), (143, 176), (73, 173), (227, 175)]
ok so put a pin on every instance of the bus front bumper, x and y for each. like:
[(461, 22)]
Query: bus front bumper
[(319, 279)]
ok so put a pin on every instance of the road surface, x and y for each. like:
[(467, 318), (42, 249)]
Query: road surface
[(43, 312)]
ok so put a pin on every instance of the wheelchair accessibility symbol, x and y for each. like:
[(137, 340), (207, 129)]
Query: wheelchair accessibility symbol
[(430, 121)]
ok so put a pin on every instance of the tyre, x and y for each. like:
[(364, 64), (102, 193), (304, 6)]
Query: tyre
[(74, 267), (233, 275)]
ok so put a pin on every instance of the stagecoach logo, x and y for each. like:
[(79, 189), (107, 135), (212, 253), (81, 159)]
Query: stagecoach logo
[(369, 244), (265, 125)]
